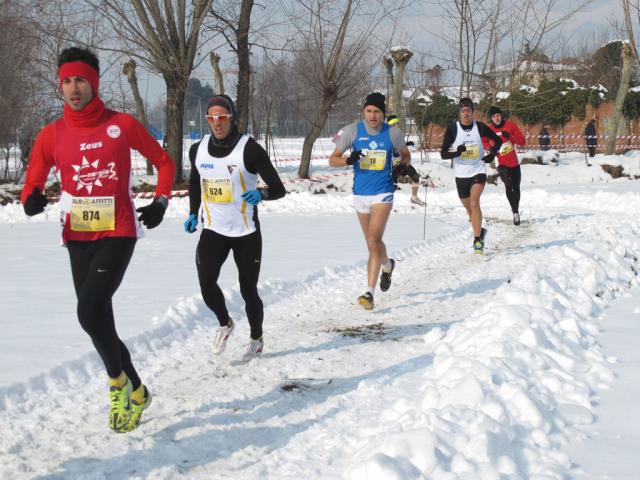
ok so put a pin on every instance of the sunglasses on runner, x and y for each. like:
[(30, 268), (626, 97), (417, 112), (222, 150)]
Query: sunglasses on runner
[(220, 118)]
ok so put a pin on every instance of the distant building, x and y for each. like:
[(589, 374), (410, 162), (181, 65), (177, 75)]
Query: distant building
[(530, 69)]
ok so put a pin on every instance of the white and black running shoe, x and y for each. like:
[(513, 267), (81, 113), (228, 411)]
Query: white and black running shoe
[(516, 218), (385, 277)]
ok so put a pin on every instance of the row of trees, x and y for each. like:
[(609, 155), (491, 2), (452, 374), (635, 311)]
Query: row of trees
[(298, 63), (332, 44)]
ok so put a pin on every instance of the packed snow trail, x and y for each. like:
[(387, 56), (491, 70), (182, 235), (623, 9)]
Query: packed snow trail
[(471, 366)]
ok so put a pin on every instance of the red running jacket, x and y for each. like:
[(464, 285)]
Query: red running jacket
[(94, 161), (507, 156)]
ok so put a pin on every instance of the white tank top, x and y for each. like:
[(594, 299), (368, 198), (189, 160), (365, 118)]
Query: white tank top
[(223, 181), (470, 162)]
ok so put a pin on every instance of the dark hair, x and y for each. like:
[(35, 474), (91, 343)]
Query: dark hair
[(493, 110), (76, 54), (466, 102)]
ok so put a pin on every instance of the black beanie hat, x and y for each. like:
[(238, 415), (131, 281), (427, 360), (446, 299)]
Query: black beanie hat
[(493, 110), (376, 99), (466, 102)]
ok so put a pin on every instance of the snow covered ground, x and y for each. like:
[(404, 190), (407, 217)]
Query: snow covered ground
[(518, 364)]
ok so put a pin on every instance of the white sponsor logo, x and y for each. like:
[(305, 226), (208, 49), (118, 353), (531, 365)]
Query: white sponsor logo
[(373, 144), (90, 146), (88, 175), (113, 131)]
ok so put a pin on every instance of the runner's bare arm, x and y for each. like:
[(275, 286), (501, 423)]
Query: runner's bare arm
[(337, 160)]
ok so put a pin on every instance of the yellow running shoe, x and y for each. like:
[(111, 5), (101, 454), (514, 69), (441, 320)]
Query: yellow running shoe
[(120, 411), (366, 301), (136, 411)]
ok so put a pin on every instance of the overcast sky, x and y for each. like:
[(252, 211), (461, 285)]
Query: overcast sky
[(423, 23)]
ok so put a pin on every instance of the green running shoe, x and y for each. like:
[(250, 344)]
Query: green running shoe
[(120, 411), (136, 411)]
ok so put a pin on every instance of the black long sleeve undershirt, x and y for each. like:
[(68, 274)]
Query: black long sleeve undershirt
[(452, 131), (256, 161)]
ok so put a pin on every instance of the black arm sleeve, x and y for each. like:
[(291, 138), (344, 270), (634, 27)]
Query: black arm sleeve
[(486, 132), (257, 161), (195, 190), (449, 138)]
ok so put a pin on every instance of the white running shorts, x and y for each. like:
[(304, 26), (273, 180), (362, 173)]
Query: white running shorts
[(362, 203)]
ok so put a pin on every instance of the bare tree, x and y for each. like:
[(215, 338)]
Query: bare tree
[(164, 37), (625, 77), (631, 10), (217, 73), (481, 31), (234, 24), (129, 70), (29, 88), (401, 56), (335, 45)]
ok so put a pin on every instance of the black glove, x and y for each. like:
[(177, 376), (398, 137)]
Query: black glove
[(354, 157), (151, 215), (35, 203), (461, 149), (488, 158)]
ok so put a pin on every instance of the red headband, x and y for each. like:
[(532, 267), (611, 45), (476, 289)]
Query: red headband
[(79, 69)]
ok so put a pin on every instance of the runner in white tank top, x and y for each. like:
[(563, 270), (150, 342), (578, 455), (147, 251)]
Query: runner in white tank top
[(463, 144), (223, 195)]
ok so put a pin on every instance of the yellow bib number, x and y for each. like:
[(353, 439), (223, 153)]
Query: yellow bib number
[(374, 160), (472, 152), (507, 147), (93, 214), (217, 190)]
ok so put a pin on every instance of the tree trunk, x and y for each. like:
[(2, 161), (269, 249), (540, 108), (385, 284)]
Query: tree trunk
[(244, 65), (397, 94), (625, 78), (388, 65), (401, 56), (174, 113), (254, 125), (217, 73), (314, 133), (129, 69)]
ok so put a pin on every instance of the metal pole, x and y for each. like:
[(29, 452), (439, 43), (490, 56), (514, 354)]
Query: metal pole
[(424, 222)]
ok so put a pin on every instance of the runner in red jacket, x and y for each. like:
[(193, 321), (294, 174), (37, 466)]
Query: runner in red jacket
[(91, 147), (508, 163)]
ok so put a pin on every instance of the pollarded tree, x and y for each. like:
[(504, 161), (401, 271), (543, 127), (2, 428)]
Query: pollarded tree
[(164, 37), (129, 70), (334, 43), (401, 56), (232, 20), (615, 122)]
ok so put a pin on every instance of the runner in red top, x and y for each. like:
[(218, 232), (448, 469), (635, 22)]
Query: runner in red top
[(508, 163), (91, 147)]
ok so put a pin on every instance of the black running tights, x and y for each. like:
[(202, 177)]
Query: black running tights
[(511, 178), (213, 249), (98, 268)]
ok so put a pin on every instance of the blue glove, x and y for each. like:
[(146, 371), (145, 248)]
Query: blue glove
[(254, 197), (191, 225)]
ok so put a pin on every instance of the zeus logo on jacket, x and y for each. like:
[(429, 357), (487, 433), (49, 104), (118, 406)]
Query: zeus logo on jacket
[(90, 146)]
